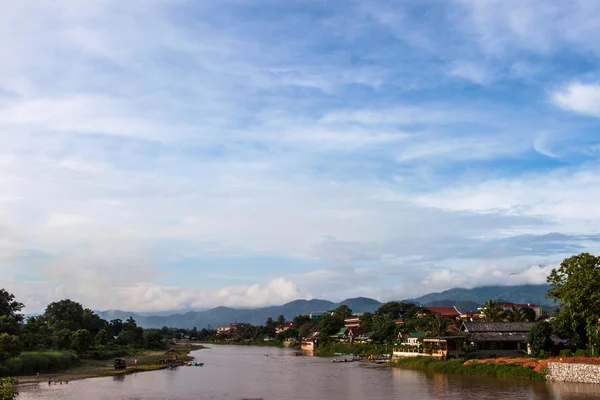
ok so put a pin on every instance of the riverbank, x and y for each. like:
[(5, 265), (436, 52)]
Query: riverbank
[(329, 350), (87, 368), (458, 366)]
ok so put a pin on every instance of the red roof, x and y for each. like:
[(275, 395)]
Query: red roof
[(444, 311), (470, 313), (355, 331)]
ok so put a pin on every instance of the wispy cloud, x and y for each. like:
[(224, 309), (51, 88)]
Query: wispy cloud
[(149, 149)]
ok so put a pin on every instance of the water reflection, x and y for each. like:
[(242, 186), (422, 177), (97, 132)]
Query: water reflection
[(232, 372)]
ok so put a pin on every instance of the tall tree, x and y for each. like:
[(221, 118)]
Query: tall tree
[(270, 326), (366, 321), (575, 285), (343, 311), (493, 312), (281, 319), (438, 326), (539, 338), (65, 314), (517, 314), (10, 318)]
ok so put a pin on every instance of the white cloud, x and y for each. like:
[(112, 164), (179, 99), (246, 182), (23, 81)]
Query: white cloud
[(579, 97), (473, 72)]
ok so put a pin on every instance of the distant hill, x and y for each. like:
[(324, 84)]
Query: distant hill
[(225, 315), (535, 294), (463, 299)]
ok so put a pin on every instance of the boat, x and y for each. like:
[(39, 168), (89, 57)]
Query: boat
[(266, 355), (195, 364)]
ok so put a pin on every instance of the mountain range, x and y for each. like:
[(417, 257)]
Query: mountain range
[(463, 299)]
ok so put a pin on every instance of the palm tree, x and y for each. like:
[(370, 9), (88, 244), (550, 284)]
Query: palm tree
[(517, 314), (438, 326), (492, 312)]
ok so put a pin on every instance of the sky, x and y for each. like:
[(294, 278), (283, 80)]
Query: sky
[(172, 154)]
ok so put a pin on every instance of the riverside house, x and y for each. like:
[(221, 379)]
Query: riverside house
[(498, 338)]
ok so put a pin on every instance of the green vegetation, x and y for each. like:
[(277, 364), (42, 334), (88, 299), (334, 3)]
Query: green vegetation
[(576, 287), (6, 389), (67, 332), (457, 366), (31, 362)]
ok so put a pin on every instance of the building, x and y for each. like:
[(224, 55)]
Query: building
[(232, 328), (284, 327), (316, 316), (352, 321), (449, 312), (412, 338), (498, 338)]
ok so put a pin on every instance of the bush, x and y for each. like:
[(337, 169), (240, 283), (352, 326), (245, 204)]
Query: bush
[(582, 353), (542, 354), (566, 353), (31, 362)]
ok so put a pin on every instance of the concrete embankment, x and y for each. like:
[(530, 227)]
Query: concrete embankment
[(570, 372)]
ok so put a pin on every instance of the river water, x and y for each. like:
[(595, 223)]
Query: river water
[(240, 372)]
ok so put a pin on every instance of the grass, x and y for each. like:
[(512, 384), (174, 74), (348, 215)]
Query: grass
[(457, 366), (329, 350), (32, 362)]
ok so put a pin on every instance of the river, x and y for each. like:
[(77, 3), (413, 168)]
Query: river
[(242, 372)]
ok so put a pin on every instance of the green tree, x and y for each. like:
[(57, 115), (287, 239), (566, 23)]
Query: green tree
[(438, 326), (492, 312), (300, 320), (384, 328), (61, 338), (366, 322), (81, 340), (64, 314), (9, 346), (9, 306), (342, 311), (153, 340), (281, 319), (540, 338), (116, 326), (6, 388), (103, 337), (395, 309), (576, 287), (270, 326), (330, 324), (517, 314), (529, 314)]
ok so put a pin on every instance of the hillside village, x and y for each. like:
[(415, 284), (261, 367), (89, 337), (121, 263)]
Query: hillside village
[(496, 329)]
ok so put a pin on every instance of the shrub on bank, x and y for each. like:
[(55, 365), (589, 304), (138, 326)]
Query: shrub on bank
[(107, 352), (32, 362), (457, 366)]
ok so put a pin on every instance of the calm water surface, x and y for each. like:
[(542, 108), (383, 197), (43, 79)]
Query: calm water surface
[(237, 372)]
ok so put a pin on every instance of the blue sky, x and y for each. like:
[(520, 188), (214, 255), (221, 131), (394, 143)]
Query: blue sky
[(166, 154)]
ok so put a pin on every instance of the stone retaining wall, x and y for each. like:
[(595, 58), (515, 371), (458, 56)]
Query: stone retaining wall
[(564, 372)]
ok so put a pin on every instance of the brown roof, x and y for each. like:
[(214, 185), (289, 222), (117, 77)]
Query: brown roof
[(444, 311), (505, 327)]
